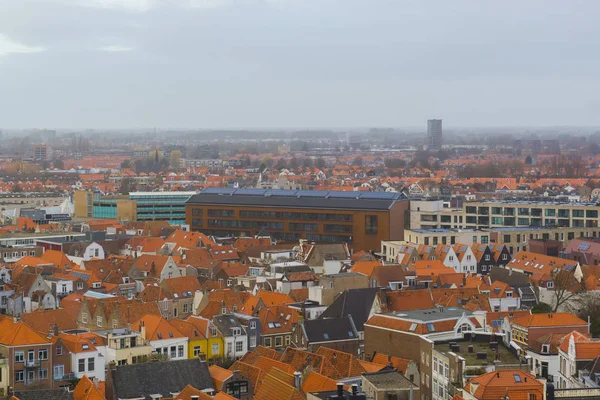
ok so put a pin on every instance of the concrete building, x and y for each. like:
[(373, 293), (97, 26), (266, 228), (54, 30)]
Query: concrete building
[(136, 206), (434, 134)]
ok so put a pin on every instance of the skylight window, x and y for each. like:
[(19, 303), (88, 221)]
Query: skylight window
[(159, 335), (413, 327), (326, 336), (430, 327), (170, 334), (517, 378), (85, 346)]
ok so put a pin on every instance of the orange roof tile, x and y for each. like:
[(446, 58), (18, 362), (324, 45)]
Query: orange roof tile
[(219, 376)]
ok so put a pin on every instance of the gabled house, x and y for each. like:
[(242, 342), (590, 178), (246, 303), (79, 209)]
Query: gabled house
[(86, 356), (576, 353), (484, 258), (334, 333), (234, 336), (165, 339), (154, 266), (468, 262)]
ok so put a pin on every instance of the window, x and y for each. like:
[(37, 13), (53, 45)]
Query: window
[(180, 351), (84, 318), (19, 376), (545, 348), (252, 324), (43, 354), (487, 257), (229, 348), (252, 341), (371, 224), (175, 313), (197, 351), (185, 308), (549, 285), (59, 371), (173, 351), (81, 365), (278, 341), (79, 285), (267, 342), (165, 305), (99, 322), (115, 324), (239, 346), (19, 356), (59, 350), (215, 348), (509, 294), (91, 365)]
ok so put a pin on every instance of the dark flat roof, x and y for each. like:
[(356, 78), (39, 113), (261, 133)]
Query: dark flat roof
[(337, 200)]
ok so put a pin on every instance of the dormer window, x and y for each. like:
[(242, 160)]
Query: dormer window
[(545, 348)]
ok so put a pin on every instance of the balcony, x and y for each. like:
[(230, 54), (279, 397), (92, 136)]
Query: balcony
[(31, 363), (65, 377)]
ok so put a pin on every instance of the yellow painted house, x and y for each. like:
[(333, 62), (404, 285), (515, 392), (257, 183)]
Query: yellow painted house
[(205, 341)]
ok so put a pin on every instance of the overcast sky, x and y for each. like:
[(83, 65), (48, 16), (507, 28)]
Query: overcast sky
[(298, 63)]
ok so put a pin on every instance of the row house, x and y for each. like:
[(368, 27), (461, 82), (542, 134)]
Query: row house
[(27, 356), (204, 339), (234, 336), (577, 354), (76, 355), (175, 296), (112, 313), (165, 338), (526, 330)]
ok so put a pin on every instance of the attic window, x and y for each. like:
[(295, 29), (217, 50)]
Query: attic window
[(170, 334), (85, 347), (350, 334), (413, 327), (545, 348), (430, 327), (517, 378), (175, 295), (159, 335), (271, 325), (326, 336)]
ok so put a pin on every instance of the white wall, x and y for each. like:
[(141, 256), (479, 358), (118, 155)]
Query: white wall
[(99, 363)]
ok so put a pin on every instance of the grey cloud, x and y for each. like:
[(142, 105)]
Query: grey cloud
[(220, 63)]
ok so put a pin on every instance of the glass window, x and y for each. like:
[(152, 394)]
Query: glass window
[(91, 365), (19, 356), (239, 346), (81, 365), (43, 354), (215, 348), (19, 376), (371, 224)]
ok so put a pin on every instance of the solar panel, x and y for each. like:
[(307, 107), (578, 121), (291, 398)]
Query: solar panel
[(312, 193), (251, 192), (584, 246), (343, 195), (379, 195)]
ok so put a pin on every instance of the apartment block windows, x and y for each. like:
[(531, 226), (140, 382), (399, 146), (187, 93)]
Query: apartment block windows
[(371, 224)]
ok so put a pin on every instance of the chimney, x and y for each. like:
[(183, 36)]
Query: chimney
[(143, 330), (55, 329), (497, 374), (340, 390), (297, 379), (354, 389)]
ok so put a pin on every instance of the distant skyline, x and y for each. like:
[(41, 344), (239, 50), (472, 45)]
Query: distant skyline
[(298, 63)]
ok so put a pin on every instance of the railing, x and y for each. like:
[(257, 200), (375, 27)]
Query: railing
[(65, 377), (31, 363)]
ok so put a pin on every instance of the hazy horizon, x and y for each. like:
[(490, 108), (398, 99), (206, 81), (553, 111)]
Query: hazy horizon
[(300, 64)]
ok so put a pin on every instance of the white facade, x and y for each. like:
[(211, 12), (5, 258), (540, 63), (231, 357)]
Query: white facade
[(175, 349), (540, 363), (236, 346), (468, 264), (94, 250), (170, 270), (505, 303), (89, 363), (451, 260)]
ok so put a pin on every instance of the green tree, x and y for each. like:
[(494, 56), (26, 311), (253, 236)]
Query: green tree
[(541, 308), (320, 163), (126, 164)]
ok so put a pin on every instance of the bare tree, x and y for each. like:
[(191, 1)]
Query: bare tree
[(566, 287)]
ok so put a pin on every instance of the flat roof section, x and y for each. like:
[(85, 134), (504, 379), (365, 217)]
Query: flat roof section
[(334, 200)]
